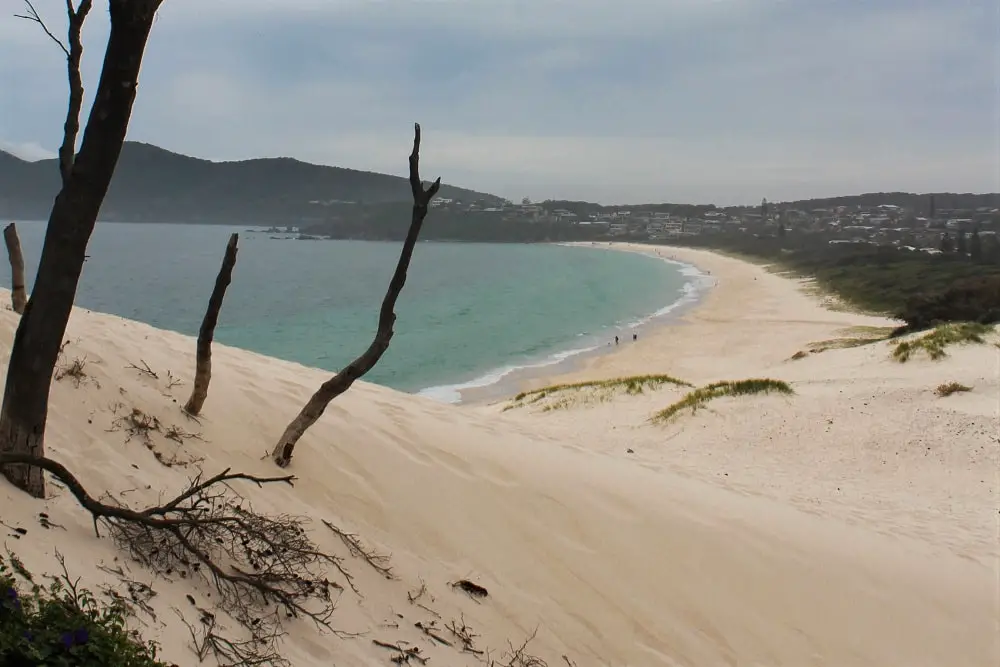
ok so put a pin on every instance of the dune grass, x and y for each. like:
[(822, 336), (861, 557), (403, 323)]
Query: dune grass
[(934, 343), (631, 385), (949, 388), (699, 397), (852, 337)]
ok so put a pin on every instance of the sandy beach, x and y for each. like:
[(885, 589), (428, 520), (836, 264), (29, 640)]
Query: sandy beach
[(851, 523)]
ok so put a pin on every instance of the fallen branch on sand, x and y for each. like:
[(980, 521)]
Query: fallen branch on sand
[(263, 567)]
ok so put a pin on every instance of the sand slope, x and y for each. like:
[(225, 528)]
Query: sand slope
[(653, 558)]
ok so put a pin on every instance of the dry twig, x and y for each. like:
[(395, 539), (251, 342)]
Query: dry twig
[(465, 635), (519, 657), (378, 562), (402, 654), (139, 594), (144, 369), (75, 370)]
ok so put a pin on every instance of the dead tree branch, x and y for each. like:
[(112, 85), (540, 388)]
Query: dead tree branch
[(18, 296), (203, 365), (74, 52), (260, 565), (337, 385)]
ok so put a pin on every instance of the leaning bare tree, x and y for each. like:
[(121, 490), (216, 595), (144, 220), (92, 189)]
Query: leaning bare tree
[(85, 179), (17, 295), (203, 364), (343, 380)]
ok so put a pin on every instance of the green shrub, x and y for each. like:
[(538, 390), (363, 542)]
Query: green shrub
[(969, 300), (62, 625)]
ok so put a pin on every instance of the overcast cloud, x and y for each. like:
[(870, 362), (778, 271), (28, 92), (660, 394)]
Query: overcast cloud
[(621, 101)]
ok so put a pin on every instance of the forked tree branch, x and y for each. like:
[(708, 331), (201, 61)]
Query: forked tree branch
[(342, 381), (74, 52), (152, 517)]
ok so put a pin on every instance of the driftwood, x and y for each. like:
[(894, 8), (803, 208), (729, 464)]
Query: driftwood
[(17, 294), (203, 365), (342, 381)]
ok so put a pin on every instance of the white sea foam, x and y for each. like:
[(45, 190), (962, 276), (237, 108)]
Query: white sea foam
[(452, 393)]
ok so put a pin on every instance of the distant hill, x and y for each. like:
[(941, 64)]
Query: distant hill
[(918, 203), (155, 185)]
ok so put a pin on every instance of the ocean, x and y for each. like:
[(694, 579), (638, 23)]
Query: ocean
[(470, 314)]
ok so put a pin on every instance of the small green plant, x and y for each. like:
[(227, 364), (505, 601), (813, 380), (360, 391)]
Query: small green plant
[(699, 397), (934, 343), (950, 388), (63, 625), (632, 385)]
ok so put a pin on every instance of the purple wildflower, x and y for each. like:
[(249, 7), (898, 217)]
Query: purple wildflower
[(10, 597)]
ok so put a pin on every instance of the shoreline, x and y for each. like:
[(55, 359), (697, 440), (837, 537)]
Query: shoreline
[(502, 382), (854, 520), (748, 316)]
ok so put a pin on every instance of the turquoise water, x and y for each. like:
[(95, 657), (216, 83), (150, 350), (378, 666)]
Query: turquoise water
[(467, 311)]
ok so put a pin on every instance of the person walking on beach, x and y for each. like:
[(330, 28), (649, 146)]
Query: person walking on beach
[(616, 340), (635, 337)]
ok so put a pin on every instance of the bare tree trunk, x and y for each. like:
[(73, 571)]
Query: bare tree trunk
[(203, 365), (342, 381), (24, 411), (17, 294)]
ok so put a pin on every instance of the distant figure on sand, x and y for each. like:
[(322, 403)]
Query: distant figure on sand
[(635, 336), (616, 340)]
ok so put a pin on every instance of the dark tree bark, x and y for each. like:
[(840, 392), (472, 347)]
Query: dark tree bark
[(17, 295), (36, 344), (203, 365), (342, 381)]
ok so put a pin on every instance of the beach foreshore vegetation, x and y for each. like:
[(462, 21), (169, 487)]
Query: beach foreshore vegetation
[(631, 385), (935, 343), (698, 398)]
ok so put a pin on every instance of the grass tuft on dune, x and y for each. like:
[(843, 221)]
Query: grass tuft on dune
[(631, 385), (699, 397), (934, 343), (949, 388)]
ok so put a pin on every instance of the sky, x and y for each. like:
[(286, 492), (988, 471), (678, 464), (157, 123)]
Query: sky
[(616, 101)]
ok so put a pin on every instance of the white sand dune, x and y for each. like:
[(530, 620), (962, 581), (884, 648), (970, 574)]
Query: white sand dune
[(854, 523)]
